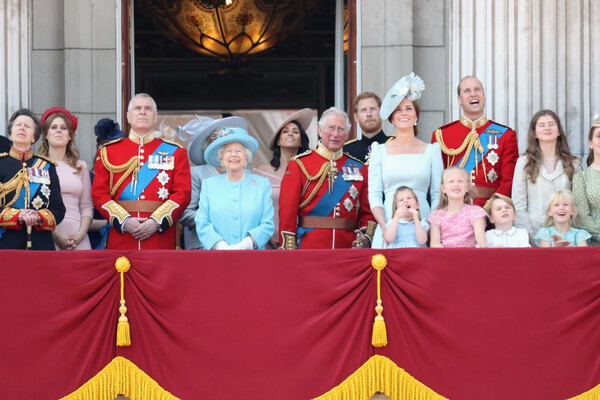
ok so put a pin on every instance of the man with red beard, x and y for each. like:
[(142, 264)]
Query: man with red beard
[(486, 149), (366, 114)]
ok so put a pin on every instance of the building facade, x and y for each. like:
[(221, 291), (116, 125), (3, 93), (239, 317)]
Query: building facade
[(528, 54)]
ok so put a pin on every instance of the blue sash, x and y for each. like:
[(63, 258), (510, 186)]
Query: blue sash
[(146, 175), (328, 202), (33, 188), (492, 130)]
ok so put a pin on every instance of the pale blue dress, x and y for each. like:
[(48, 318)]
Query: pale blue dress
[(421, 172), (406, 236), (231, 211), (574, 235)]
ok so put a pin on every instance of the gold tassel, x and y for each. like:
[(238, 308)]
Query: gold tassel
[(379, 338), (123, 335)]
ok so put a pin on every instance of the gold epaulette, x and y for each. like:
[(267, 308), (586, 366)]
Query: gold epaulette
[(111, 142), (390, 138), (307, 152), (173, 143), (46, 159), (3, 154), (351, 141)]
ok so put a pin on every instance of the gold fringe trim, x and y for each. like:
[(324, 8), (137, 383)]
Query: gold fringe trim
[(592, 394), (380, 374), (120, 376)]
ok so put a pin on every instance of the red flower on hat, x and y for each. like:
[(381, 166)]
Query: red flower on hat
[(60, 110)]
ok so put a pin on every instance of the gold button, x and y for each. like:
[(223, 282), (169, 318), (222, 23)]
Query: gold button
[(141, 150), (337, 214), (141, 157), (142, 197), (141, 164)]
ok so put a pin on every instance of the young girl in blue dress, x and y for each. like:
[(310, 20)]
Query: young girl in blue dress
[(559, 231), (405, 229)]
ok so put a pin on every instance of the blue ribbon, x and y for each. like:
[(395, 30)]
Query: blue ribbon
[(146, 175), (496, 130), (328, 202)]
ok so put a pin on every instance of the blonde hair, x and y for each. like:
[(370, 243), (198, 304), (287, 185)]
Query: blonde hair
[(560, 194), (497, 196), (402, 189), (444, 199)]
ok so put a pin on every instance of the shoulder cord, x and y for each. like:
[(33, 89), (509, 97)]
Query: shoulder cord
[(128, 168), (472, 140), (321, 175)]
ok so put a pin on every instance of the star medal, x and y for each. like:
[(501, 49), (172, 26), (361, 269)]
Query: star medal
[(492, 175), (492, 157)]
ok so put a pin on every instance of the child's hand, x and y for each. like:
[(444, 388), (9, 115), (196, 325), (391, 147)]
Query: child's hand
[(559, 241), (404, 213), (414, 214)]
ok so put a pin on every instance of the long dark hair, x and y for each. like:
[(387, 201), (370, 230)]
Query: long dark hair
[(590, 158), (276, 160), (534, 153)]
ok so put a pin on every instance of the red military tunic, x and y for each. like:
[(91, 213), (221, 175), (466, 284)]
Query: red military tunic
[(305, 183), (164, 198), (495, 155)]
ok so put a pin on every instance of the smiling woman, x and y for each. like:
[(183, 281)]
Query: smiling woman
[(235, 211)]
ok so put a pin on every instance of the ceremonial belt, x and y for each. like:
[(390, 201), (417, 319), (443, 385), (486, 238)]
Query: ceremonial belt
[(328, 201), (148, 206), (328, 223), (492, 130), (145, 175), (482, 192)]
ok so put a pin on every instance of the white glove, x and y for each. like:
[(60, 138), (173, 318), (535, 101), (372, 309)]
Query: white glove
[(245, 244), (221, 245)]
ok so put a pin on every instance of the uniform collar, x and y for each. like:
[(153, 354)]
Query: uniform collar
[(328, 154), (20, 155), (141, 140), (474, 124)]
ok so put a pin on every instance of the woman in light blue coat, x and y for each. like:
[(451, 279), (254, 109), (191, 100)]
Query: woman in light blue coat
[(235, 211)]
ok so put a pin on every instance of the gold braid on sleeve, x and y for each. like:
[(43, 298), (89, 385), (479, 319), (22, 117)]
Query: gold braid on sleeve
[(321, 175), (128, 168)]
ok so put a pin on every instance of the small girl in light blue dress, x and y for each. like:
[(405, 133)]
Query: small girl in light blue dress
[(559, 231), (405, 229)]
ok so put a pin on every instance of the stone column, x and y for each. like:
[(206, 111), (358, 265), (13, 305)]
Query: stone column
[(14, 58)]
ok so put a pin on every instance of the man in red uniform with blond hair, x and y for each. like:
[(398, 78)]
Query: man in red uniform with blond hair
[(142, 183), (486, 149)]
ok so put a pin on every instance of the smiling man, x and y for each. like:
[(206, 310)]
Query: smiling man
[(323, 200), (142, 183), (483, 147)]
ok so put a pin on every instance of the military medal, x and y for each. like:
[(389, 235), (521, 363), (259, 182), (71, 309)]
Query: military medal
[(492, 157), (492, 175), (348, 204), (353, 192), (495, 146), (490, 145)]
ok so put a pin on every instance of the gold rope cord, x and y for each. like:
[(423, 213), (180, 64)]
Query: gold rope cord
[(129, 167), (322, 174), (16, 184), (472, 140)]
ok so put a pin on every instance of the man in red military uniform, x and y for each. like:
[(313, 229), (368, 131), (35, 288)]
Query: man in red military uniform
[(483, 147), (142, 183), (323, 202)]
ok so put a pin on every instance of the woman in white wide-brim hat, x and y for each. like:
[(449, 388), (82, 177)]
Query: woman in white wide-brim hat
[(288, 140), (405, 160), (235, 210)]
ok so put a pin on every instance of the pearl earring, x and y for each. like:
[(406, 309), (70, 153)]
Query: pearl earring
[(416, 122)]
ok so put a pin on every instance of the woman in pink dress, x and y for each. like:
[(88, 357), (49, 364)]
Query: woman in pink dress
[(289, 139), (58, 144)]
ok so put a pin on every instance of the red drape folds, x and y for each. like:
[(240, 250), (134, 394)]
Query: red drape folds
[(469, 324)]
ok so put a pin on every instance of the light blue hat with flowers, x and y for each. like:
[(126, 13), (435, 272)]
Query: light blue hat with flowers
[(227, 135), (409, 86), (198, 131)]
